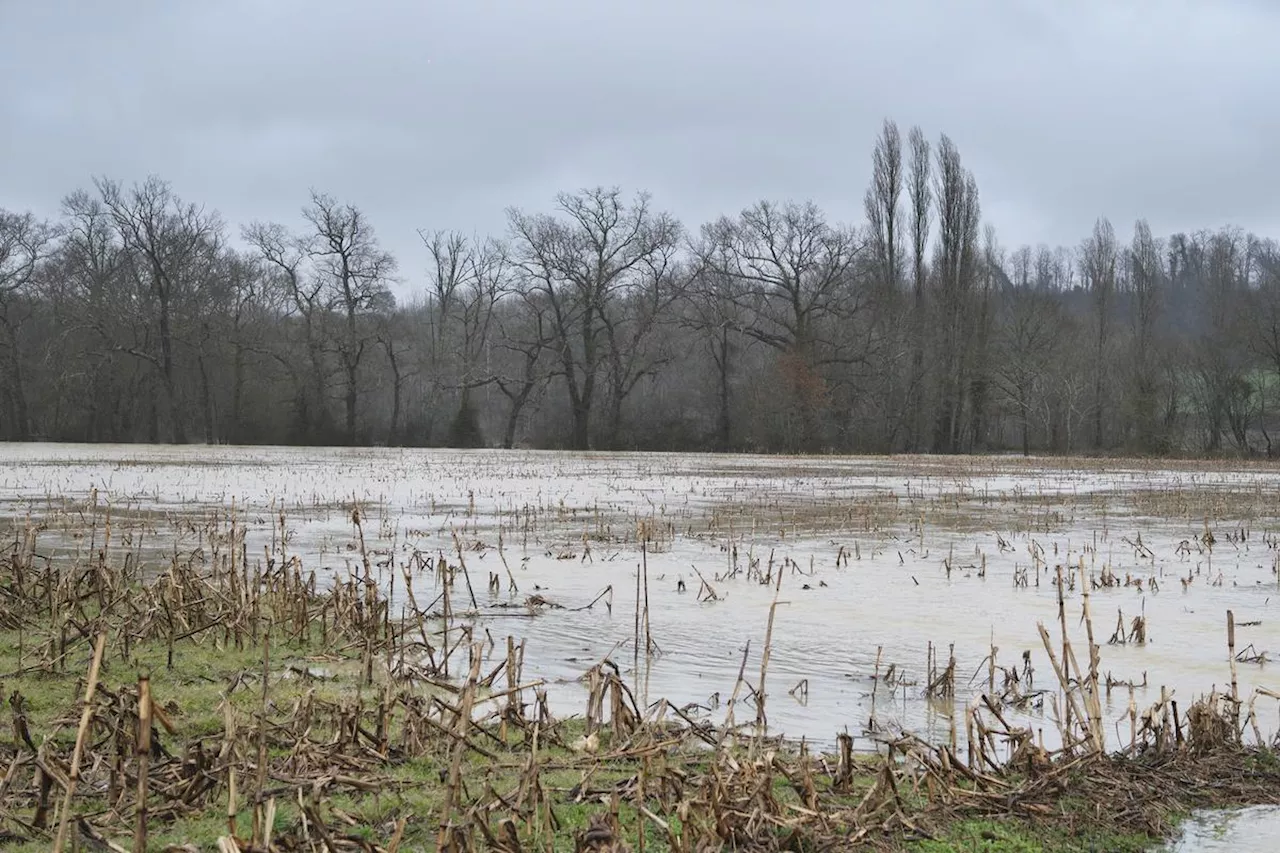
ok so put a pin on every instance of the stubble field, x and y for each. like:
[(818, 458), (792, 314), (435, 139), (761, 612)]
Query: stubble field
[(848, 603)]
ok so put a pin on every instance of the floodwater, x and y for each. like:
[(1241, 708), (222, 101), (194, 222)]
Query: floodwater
[(1252, 830), (867, 558)]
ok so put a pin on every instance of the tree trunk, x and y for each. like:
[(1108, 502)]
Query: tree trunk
[(579, 406), (8, 401), (237, 394), (725, 420), (17, 391), (518, 402), (513, 421), (177, 431), (206, 403), (581, 436), (153, 415), (978, 394), (1097, 408), (352, 400), (1026, 427), (397, 391), (915, 396), (316, 426), (613, 437)]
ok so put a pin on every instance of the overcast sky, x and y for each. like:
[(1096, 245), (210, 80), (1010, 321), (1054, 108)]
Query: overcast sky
[(441, 113)]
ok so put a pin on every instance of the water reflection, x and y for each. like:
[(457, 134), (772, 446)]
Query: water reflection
[(872, 563), (1252, 830)]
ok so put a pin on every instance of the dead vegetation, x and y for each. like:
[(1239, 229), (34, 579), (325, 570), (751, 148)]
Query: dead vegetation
[(252, 704)]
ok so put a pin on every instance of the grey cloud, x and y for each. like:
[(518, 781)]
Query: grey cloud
[(440, 113)]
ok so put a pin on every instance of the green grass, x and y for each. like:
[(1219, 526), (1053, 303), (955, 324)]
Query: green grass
[(193, 690), (207, 679), (197, 684), (1009, 835)]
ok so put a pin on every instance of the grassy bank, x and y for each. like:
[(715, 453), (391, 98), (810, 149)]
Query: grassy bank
[(209, 703)]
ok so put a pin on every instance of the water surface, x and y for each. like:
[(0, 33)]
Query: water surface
[(870, 561), (1252, 830)]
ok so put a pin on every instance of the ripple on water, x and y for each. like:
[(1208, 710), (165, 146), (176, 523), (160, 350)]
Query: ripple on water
[(1251, 830), (881, 561)]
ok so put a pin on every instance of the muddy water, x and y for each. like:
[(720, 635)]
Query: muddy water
[(878, 558), (1253, 830)]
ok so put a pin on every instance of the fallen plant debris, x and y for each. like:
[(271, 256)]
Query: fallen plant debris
[(219, 703)]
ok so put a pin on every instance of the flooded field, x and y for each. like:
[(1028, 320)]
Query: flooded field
[(871, 562), (1251, 830)]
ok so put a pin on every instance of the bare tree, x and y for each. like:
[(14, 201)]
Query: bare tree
[(1147, 278), (302, 292), (1220, 358), (486, 328), (1043, 273), (393, 336), (354, 272), (777, 329), (1061, 269), (336, 277), (1098, 259), (24, 243), (169, 246), (525, 346), (466, 280), (527, 340), (1022, 266), (585, 265), (883, 204), (991, 280), (1031, 335), (1074, 392), (94, 307), (244, 306), (920, 192), (634, 351), (1263, 326), (716, 313), (957, 266), (794, 278)]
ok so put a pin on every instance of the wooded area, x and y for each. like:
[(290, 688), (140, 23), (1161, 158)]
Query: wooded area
[(606, 323)]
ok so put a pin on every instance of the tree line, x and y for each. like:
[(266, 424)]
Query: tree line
[(605, 322)]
